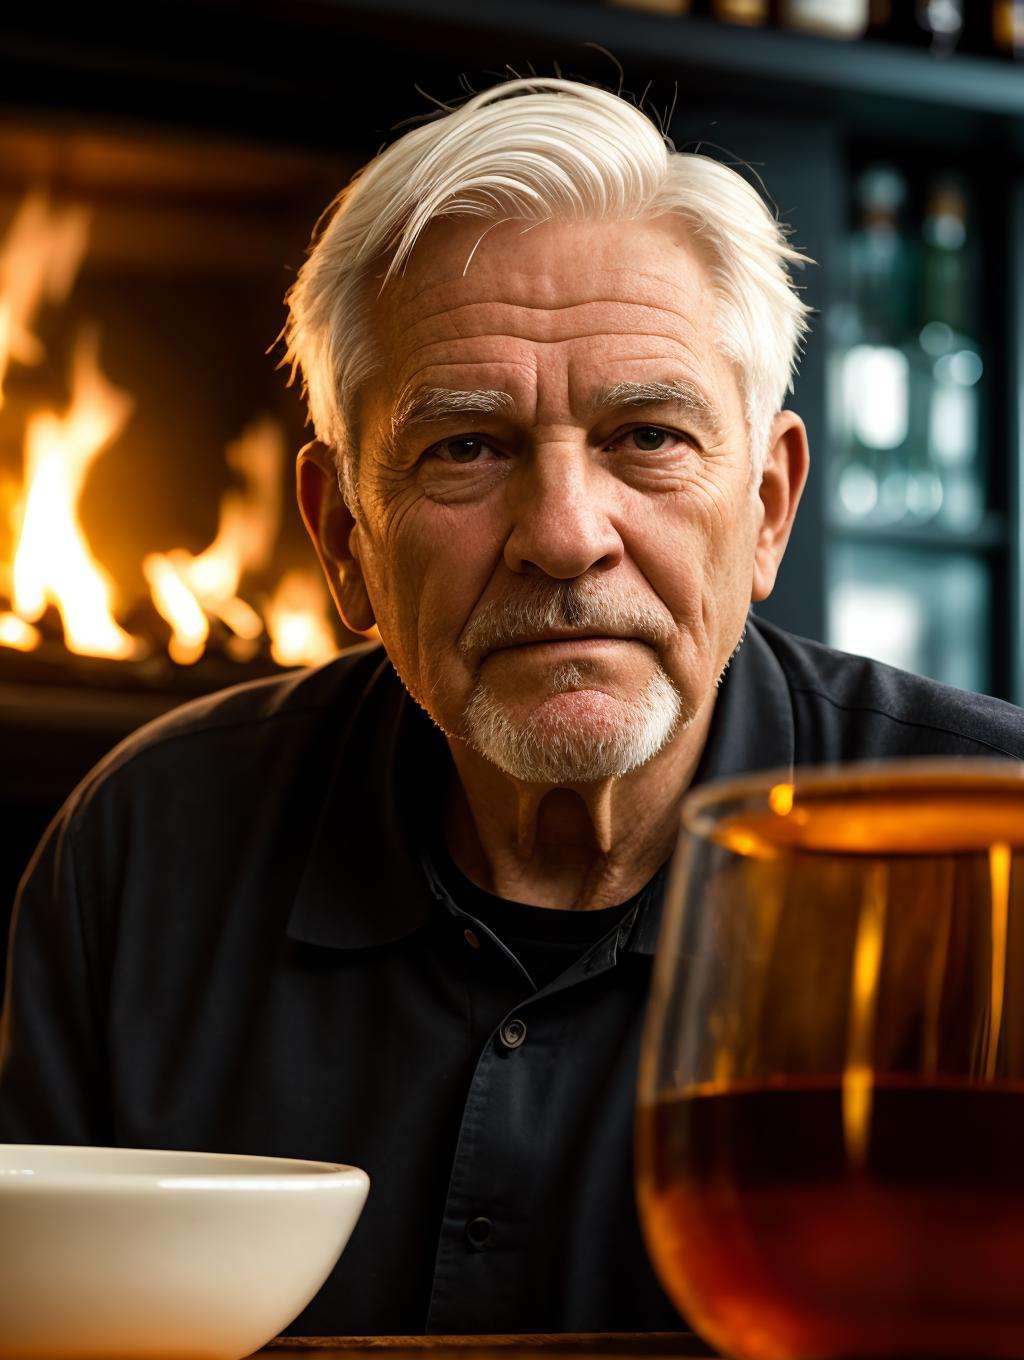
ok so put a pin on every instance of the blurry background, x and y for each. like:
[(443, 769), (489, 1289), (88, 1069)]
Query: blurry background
[(159, 180)]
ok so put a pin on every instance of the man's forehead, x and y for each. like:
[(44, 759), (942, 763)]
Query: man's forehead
[(551, 287), (545, 311), (460, 267)]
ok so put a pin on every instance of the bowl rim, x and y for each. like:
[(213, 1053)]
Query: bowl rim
[(314, 1175)]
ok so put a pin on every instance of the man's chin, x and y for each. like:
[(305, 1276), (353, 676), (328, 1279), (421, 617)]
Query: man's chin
[(576, 735), (582, 713)]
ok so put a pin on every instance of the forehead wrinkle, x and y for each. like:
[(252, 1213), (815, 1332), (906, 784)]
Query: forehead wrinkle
[(632, 301), (451, 313), (459, 282), (409, 380), (530, 340)]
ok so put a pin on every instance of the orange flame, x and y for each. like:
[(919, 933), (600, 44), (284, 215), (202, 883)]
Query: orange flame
[(186, 588), (47, 559), (16, 633), (178, 606), (39, 259), (297, 621), (10, 527), (52, 561)]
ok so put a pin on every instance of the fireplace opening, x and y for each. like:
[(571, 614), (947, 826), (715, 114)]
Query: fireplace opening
[(150, 547), (147, 436)]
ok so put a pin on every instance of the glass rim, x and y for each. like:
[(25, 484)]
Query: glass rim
[(700, 808)]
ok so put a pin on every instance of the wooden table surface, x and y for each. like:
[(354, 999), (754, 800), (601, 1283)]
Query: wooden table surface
[(528, 1346)]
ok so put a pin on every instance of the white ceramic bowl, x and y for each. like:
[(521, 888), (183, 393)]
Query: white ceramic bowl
[(139, 1254)]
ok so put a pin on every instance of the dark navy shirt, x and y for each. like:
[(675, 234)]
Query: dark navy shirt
[(234, 937), (545, 942)]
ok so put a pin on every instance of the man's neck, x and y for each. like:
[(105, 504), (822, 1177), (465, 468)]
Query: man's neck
[(583, 846)]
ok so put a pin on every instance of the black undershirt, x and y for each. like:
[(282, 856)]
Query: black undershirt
[(546, 940)]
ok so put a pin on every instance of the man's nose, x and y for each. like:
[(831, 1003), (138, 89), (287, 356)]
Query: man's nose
[(561, 520)]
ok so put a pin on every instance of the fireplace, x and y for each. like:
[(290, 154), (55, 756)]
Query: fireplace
[(150, 549)]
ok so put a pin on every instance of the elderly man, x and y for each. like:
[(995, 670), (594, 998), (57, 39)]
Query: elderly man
[(399, 910)]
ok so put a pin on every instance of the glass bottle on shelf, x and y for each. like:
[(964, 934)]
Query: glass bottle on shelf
[(830, 18), (950, 359), (935, 24), (994, 28), (871, 353), (886, 21), (1008, 27), (750, 13), (927, 610), (655, 6), (941, 22)]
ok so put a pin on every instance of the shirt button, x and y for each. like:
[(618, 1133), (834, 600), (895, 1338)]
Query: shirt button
[(513, 1032), (479, 1232), (471, 938)]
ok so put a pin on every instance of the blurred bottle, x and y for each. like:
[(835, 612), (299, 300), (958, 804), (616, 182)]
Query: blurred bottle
[(935, 24), (872, 348), (656, 6), (830, 18), (950, 356), (994, 28), (1008, 28), (751, 13)]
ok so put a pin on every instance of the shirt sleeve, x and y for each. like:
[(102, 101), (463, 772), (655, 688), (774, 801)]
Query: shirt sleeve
[(54, 1086)]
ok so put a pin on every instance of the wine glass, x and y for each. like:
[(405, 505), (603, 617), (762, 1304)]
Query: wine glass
[(830, 1116)]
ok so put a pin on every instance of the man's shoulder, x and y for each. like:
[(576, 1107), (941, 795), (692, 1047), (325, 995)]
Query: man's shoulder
[(258, 719), (900, 709)]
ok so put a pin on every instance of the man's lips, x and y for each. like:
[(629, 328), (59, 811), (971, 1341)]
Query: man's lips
[(567, 641)]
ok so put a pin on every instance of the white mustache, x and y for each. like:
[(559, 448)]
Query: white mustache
[(503, 623)]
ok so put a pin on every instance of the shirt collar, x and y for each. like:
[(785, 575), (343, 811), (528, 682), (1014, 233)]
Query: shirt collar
[(752, 728), (364, 882)]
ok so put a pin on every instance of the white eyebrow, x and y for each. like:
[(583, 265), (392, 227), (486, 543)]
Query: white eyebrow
[(421, 405), (679, 392), (424, 405)]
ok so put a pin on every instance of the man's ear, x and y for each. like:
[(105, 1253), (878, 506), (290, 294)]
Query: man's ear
[(334, 532), (782, 484)]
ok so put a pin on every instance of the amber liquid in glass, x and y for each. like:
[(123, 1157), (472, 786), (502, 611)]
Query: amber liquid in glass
[(769, 1242), (769, 1237)]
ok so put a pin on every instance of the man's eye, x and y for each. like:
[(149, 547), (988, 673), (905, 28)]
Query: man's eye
[(648, 438), (464, 450)]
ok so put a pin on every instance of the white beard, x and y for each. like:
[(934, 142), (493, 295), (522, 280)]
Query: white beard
[(556, 750)]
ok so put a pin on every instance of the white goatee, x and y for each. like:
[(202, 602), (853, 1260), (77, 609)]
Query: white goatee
[(554, 748), (549, 745)]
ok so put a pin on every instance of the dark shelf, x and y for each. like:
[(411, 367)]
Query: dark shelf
[(290, 67), (715, 49), (990, 536), (875, 87)]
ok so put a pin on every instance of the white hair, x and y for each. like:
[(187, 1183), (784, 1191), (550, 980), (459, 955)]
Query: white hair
[(541, 149)]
